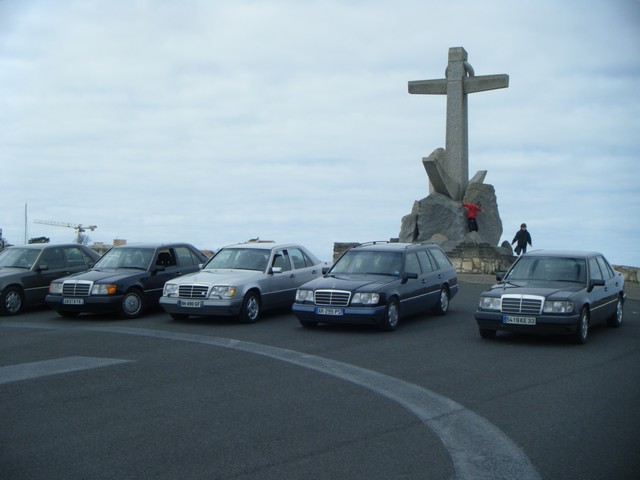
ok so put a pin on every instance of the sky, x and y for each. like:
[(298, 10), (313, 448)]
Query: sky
[(214, 122)]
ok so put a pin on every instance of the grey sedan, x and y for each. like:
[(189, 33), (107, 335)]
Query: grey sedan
[(242, 280)]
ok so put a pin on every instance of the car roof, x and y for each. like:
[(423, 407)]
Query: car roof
[(262, 245), (41, 246), (393, 246), (561, 253), (151, 245)]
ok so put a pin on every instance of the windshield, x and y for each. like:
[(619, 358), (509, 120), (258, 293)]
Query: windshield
[(373, 263), (19, 257), (548, 269), (125, 258), (240, 259)]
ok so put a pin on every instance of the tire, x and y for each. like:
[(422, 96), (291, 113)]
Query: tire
[(582, 332), (11, 301), (308, 323), (179, 316), (391, 315), (487, 333), (250, 310), (443, 302), (616, 320), (132, 304)]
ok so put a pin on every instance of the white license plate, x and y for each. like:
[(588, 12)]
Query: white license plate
[(191, 303), (518, 320), (73, 301), (336, 312)]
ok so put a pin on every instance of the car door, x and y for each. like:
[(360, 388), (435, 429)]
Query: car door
[(611, 287), (599, 295), (164, 267), (432, 279), (303, 268), (414, 291), (49, 266), (282, 283)]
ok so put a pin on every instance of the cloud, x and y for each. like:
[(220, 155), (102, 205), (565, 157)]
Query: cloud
[(215, 122)]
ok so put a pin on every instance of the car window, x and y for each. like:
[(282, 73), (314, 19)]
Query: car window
[(441, 259), (300, 260), (426, 263), (166, 258), (412, 263), (186, 257), (594, 270), (77, 258), (52, 258), (281, 260), (240, 258), (375, 263), (605, 268)]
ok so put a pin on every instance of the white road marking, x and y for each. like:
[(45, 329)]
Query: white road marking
[(45, 368), (478, 449)]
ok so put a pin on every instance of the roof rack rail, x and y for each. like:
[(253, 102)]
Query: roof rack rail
[(374, 242)]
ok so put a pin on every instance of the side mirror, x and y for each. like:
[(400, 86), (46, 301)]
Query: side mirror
[(158, 268), (325, 270), (42, 267), (409, 275), (273, 270), (500, 276), (596, 282)]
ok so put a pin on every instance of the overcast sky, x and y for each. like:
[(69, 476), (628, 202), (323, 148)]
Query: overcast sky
[(214, 122)]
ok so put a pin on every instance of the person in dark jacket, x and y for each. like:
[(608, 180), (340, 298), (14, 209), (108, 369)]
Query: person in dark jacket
[(523, 238)]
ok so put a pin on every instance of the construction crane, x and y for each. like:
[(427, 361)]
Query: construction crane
[(78, 227)]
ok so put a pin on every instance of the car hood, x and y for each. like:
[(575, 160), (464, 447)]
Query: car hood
[(11, 271), (219, 277), (558, 290), (110, 275), (359, 282)]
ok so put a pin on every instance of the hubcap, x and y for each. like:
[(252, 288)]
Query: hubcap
[(584, 325), (444, 301), (619, 312), (252, 308), (13, 302), (131, 304), (393, 314)]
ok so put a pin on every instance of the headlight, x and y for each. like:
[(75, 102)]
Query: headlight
[(103, 289), (366, 298), (55, 288), (223, 291), (304, 296), (170, 289), (558, 306), (490, 303)]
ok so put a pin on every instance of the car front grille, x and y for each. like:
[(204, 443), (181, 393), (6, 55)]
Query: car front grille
[(76, 289), (525, 304), (193, 291), (332, 298)]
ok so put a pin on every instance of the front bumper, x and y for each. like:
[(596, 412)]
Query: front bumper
[(90, 304), (350, 315), (544, 324), (204, 307)]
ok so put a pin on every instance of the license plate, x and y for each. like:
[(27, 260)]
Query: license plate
[(518, 320), (73, 301), (190, 303), (336, 312)]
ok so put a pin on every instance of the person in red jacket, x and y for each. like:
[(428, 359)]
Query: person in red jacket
[(472, 213)]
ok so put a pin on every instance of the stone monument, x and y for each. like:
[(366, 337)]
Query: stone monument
[(439, 217)]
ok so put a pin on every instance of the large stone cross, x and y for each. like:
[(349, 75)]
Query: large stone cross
[(448, 169)]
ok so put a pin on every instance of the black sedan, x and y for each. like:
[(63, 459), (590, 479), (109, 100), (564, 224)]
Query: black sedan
[(553, 292), (377, 284), (27, 270), (126, 280)]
